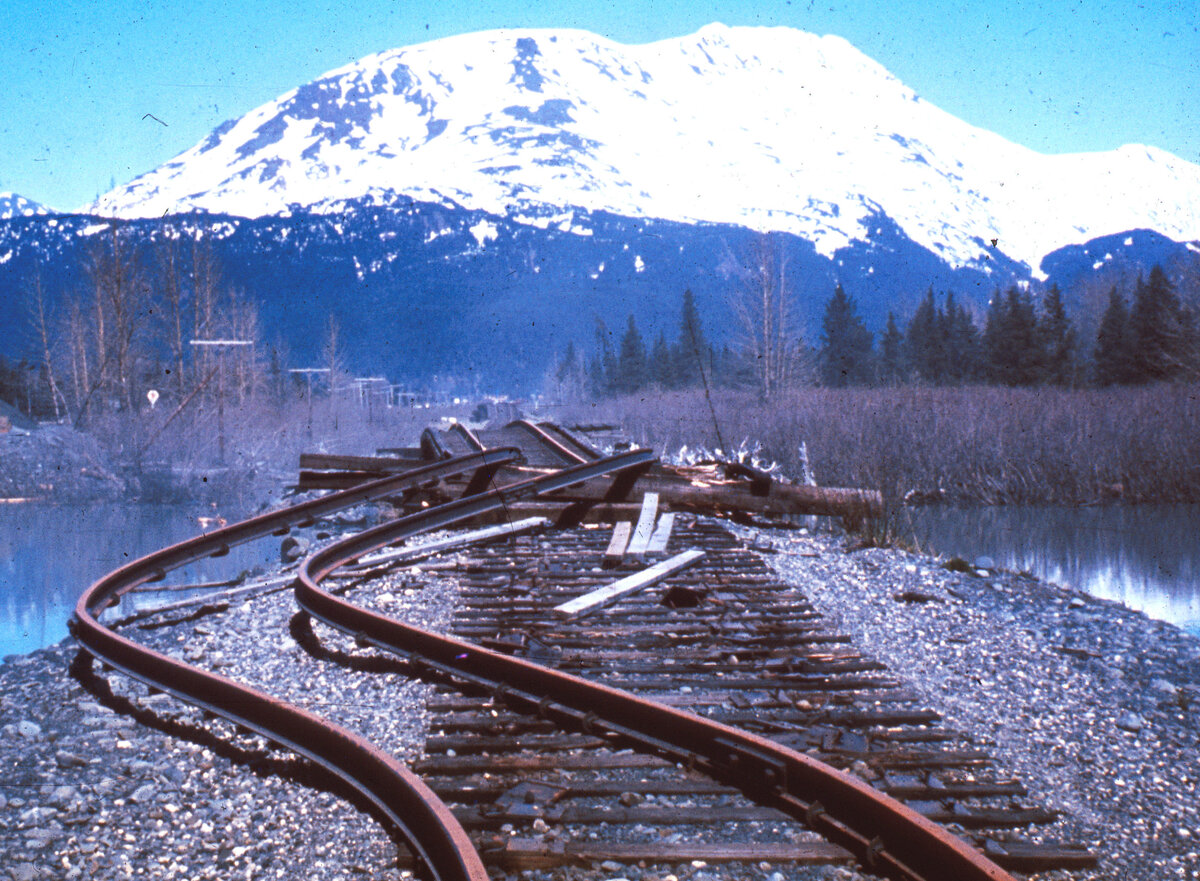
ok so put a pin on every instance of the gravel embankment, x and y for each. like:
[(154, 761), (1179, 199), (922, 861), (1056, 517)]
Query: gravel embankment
[(1095, 708)]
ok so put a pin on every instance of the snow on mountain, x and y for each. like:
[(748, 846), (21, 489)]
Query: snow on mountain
[(768, 128), (15, 205)]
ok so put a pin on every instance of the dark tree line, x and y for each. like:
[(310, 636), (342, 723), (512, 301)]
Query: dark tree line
[(1020, 344), (628, 364)]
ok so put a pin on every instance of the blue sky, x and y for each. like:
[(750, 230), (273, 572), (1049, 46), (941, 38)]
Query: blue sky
[(80, 75)]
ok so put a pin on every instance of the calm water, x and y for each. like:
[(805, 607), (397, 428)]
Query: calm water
[(49, 554), (1145, 556)]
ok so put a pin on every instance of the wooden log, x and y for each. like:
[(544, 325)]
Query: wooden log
[(678, 493), (596, 599), (564, 513), (645, 526)]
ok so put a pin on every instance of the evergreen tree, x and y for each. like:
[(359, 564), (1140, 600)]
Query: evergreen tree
[(891, 353), (995, 351), (1113, 354), (1011, 342), (1158, 334), (662, 363), (846, 356), (691, 352), (602, 371), (568, 365), (959, 339), (1057, 340), (631, 373), (923, 341)]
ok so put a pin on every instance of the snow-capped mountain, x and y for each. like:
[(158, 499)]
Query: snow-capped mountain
[(765, 128), (15, 205)]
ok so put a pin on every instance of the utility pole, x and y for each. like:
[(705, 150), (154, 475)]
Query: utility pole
[(221, 346), (308, 374)]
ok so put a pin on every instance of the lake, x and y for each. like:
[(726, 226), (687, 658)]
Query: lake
[(49, 554), (1145, 556)]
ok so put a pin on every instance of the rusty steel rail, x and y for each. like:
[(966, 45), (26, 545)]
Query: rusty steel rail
[(883, 834), (438, 841), (547, 440), (570, 439)]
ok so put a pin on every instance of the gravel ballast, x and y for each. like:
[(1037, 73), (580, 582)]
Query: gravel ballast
[(1095, 708)]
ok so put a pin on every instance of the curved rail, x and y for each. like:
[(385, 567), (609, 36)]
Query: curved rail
[(547, 440), (467, 435), (885, 836), (570, 439), (437, 839)]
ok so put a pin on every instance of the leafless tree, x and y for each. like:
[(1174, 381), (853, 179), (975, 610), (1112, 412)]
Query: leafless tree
[(36, 306), (768, 337)]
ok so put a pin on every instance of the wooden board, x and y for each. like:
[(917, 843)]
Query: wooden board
[(600, 597), (616, 547), (662, 534), (645, 526)]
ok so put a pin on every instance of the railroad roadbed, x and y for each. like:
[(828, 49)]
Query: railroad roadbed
[(1094, 709)]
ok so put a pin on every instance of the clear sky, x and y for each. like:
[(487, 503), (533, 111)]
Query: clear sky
[(81, 75)]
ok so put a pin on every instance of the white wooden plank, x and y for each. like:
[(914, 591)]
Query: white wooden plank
[(632, 584), (645, 526), (475, 536), (662, 534), (616, 546)]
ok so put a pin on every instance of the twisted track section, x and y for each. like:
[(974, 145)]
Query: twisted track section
[(436, 837), (884, 835)]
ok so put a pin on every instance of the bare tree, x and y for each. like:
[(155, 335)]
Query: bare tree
[(36, 305), (768, 337)]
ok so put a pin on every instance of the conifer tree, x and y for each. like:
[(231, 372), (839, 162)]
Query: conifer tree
[(1057, 340), (923, 342), (662, 363), (891, 353), (1158, 334), (631, 372), (691, 350), (1113, 354), (847, 356)]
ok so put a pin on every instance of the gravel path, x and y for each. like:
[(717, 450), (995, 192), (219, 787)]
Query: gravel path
[(1095, 708)]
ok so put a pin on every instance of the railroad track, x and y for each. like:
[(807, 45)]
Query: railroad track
[(757, 713)]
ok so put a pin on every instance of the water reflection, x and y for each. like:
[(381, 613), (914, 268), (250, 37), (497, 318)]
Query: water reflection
[(1145, 556), (49, 554)]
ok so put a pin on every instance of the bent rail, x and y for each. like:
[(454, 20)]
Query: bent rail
[(436, 837), (884, 835)]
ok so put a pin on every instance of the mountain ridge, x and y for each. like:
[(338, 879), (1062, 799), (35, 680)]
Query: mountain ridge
[(772, 129)]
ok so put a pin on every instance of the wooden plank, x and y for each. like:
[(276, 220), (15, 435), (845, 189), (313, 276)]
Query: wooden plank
[(463, 539), (596, 599), (662, 534), (645, 526), (616, 547), (521, 854)]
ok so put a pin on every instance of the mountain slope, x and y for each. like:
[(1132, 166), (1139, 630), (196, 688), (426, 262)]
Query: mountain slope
[(771, 129), (15, 205)]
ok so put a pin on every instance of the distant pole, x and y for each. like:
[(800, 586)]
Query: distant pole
[(221, 346)]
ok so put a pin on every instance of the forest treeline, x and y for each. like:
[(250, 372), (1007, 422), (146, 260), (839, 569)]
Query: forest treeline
[(1145, 335)]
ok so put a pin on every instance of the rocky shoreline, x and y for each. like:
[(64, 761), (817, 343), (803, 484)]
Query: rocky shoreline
[(1094, 707)]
